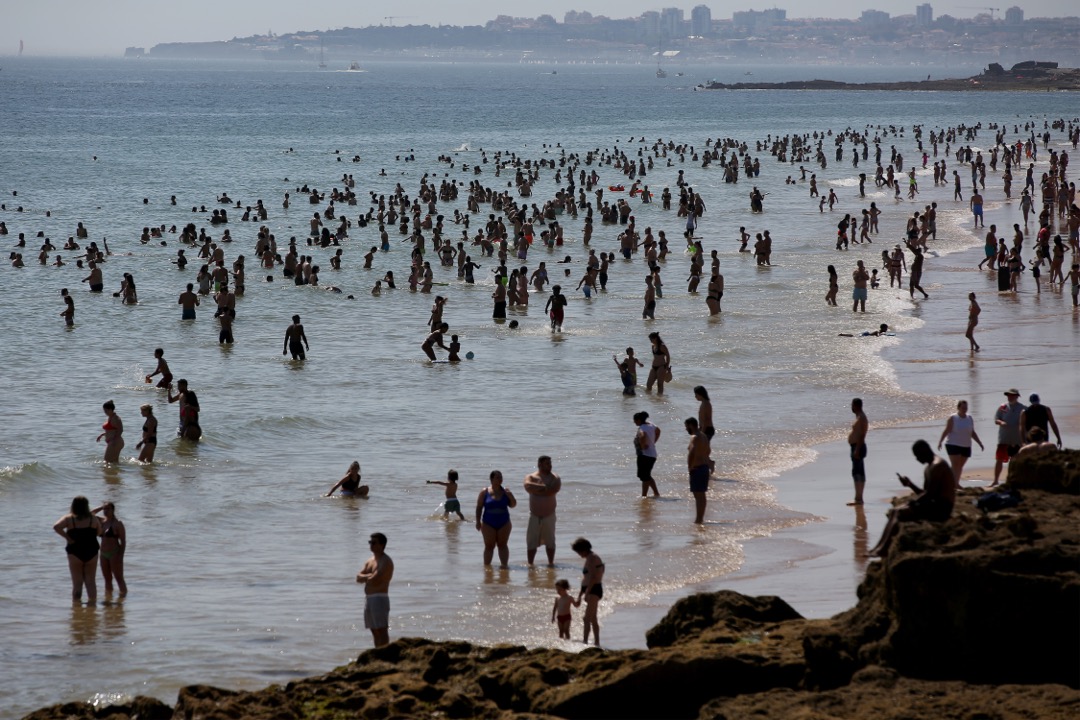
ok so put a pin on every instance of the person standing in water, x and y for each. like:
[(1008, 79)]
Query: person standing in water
[(113, 547), (295, 340), (542, 486), (80, 530), (592, 587), (493, 518), (699, 463), (857, 440), (645, 443), (375, 576), (973, 320), (113, 433), (148, 443), (661, 364)]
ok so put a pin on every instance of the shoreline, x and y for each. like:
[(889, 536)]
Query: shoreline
[(818, 565)]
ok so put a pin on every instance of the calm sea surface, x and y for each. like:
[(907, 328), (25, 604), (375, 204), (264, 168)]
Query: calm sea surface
[(241, 573)]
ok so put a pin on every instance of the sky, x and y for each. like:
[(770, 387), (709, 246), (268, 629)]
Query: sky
[(105, 28)]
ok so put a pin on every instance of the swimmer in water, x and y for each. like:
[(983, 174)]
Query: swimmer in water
[(350, 484)]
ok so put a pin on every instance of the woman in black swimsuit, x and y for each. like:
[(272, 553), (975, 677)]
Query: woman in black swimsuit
[(148, 444), (661, 364), (80, 530), (592, 586), (113, 546)]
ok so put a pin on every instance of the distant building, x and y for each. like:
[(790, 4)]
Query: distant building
[(701, 21), (758, 20), (650, 24), (1014, 16), (874, 18), (924, 15), (671, 22)]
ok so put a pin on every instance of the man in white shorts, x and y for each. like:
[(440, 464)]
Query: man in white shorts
[(542, 487)]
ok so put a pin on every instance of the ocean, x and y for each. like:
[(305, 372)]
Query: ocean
[(240, 572)]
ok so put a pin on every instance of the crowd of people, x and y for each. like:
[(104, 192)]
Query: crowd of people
[(515, 228)]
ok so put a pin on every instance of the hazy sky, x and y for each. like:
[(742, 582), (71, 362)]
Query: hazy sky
[(71, 27)]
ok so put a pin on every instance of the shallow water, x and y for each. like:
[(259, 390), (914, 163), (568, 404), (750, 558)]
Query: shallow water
[(240, 572)]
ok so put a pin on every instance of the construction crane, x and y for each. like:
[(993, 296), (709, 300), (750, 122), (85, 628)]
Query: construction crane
[(392, 18), (991, 10)]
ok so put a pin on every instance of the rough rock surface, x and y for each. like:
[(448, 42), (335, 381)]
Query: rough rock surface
[(1033, 79), (974, 618)]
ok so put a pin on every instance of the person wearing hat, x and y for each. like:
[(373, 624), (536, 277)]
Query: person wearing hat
[(1010, 437), (1038, 415)]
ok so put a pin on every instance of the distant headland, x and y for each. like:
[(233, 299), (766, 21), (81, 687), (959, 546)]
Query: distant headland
[(1025, 76), (756, 37)]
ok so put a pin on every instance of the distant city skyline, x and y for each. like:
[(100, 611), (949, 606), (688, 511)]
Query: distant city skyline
[(62, 27)]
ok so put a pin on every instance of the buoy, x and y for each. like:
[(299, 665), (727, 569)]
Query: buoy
[(469, 355)]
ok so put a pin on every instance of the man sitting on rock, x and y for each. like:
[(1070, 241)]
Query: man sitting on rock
[(934, 501)]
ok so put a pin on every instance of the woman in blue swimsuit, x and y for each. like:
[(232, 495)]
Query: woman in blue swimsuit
[(80, 529), (493, 518)]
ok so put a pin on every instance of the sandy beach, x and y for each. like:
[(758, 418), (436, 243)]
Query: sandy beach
[(1027, 339)]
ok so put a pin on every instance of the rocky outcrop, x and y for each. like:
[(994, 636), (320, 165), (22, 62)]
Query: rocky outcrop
[(994, 79), (977, 617)]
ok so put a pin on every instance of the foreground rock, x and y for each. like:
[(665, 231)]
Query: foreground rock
[(1023, 76), (978, 617)]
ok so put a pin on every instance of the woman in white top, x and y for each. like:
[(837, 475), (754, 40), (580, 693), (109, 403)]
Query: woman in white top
[(645, 442), (957, 436)]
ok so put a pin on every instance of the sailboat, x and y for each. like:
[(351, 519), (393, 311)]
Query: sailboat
[(322, 58), (20, 48), (660, 72)]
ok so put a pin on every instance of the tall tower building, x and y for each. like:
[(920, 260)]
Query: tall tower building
[(701, 20), (924, 15)]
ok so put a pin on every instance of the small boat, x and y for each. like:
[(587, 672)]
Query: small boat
[(660, 72), (355, 67)]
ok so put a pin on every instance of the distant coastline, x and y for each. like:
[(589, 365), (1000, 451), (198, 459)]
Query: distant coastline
[(1026, 76)]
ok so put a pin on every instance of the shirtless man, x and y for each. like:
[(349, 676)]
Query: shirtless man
[(188, 301), (97, 283), (698, 463), (542, 486), (295, 340), (976, 204), (435, 338), (860, 277), (857, 440), (376, 575), (934, 500)]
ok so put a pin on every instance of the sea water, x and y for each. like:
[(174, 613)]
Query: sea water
[(240, 572)]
